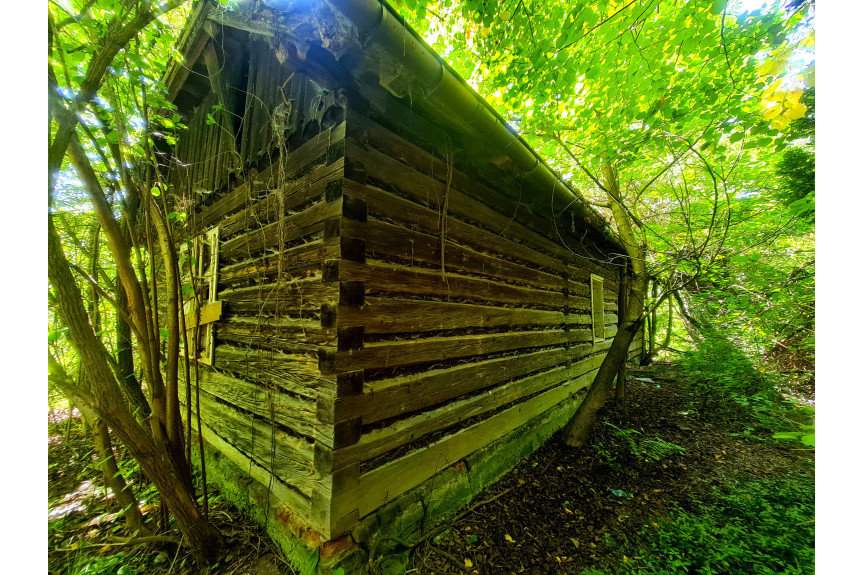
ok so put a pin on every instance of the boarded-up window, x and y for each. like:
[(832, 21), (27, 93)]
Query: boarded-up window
[(204, 262), (597, 308)]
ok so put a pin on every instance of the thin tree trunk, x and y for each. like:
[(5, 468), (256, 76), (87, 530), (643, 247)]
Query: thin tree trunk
[(652, 349), (125, 361), (695, 325), (173, 421), (121, 251), (103, 396), (112, 477), (669, 328), (578, 430)]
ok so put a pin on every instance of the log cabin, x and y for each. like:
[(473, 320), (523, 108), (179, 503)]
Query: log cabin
[(398, 292)]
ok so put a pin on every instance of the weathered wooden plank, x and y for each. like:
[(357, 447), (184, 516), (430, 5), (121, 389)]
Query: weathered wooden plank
[(580, 335), (383, 239), (192, 40), (277, 333), (295, 194), (294, 412), (282, 298), (296, 501), (209, 313), (388, 315), (298, 159), (390, 206), (396, 396), (365, 130), (297, 374), (391, 278), (583, 267), (290, 228), (389, 171), (388, 481), (400, 353), (295, 262), (290, 458), (585, 350), (380, 441)]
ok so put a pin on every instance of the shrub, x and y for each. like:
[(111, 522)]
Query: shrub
[(754, 527)]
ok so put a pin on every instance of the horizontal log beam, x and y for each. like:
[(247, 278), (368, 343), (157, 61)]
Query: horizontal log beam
[(395, 279), (396, 354), (388, 315), (391, 480), (293, 412), (297, 374), (290, 228), (298, 159), (383, 239), (403, 432)]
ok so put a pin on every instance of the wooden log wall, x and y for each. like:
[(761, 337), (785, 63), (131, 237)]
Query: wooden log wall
[(278, 222), (460, 321), (383, 313)]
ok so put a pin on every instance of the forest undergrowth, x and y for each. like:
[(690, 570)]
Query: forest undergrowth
[(708, 470)]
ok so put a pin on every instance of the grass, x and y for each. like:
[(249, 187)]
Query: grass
[(757, 527)]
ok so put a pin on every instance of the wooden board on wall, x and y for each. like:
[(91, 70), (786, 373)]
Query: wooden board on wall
[(394, 354), (391, 315), (385, 239), (402, 432), (380, 276), (392, 479), (293, 412)]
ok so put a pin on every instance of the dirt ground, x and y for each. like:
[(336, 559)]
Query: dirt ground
[(559, 511)]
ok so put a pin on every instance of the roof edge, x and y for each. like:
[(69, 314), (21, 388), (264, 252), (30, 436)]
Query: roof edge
[(377, 24), (377, 21)]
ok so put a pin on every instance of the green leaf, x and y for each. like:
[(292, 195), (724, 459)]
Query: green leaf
[(311, 566), (808, 440), (156, 191), (718, 6), (53, 336)]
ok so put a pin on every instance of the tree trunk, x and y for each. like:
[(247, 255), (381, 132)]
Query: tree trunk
[(578, 430), (125, 361), (112, 477), (651, 350), (669, 328), (102, 395), (695, 327)]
